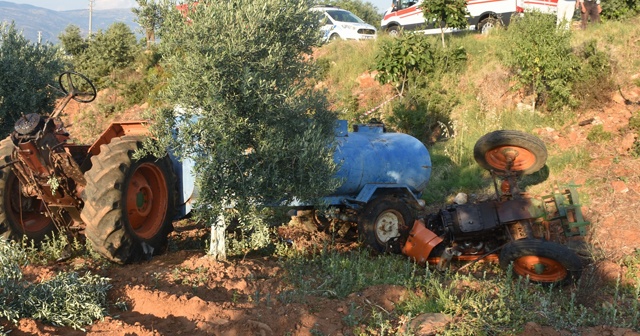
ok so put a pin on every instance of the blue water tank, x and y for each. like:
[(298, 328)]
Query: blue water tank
[(369, 155)]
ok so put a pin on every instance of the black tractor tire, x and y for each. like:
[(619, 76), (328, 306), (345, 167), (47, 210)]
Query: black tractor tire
[(20, 216), (530, 152), (542, 261), (385, 223), (488, 24), (128, 204)]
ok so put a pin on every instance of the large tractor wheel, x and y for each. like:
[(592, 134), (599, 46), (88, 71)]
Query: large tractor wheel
[(385, 224), (514, 150), (128, 204), (542, 261), (19, 215)]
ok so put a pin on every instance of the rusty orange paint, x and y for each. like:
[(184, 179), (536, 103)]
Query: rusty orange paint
[(539, 269), (519, 158), (147, 200), (118, 129), (467, 257), (420, 243)]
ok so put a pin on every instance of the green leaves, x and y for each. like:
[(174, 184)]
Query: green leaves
[(542, 59), (66, 299), (107, 51), (25, 71), (257, 132), (446, 14), (411, 58)]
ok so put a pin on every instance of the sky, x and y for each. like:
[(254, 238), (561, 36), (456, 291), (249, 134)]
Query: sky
[(60, 5), (107, 4)]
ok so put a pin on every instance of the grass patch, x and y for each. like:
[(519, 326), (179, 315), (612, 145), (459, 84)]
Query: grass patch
[(486, 302), (333, 274)]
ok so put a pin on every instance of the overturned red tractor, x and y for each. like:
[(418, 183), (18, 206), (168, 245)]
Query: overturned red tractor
[(514, 228)]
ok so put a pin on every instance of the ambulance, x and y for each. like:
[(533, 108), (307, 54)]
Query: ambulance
[(485, 15)]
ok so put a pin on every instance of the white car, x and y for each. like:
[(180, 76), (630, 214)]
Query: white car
[(341, 23)]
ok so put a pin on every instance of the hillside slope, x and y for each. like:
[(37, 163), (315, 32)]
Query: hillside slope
[(31, 20)]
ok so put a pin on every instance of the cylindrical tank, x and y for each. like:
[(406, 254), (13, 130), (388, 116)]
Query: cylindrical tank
[(369, 155)]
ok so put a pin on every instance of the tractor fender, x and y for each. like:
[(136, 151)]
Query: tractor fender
[(119, 129)]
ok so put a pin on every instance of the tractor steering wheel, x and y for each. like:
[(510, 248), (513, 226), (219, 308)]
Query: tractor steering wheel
[(68, 81)]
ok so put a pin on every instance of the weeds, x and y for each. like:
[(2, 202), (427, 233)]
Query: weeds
[(487, 303), (66, 299), (598, 135)]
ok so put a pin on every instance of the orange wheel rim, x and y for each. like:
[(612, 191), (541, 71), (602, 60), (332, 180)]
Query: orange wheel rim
[(539, 269), (500, 157), (27, 212), (147, 200)]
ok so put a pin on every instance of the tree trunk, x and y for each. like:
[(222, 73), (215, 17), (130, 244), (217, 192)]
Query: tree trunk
[(217, 246)]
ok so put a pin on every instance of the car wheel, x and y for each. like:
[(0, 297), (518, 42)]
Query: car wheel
[(393, 31), (488, 24)]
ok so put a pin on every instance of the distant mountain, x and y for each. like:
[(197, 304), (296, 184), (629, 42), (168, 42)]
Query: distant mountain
[(31, 19)]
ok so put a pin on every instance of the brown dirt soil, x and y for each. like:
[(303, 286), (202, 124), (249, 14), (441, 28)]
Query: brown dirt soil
[(186, 293)]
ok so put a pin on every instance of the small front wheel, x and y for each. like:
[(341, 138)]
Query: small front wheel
[(20, 215), (542, 261), (385, 221)]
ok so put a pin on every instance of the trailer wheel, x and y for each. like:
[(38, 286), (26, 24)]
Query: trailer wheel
[(385, 223), (542, 261), (128, 204), (495, 150), (19, 215)]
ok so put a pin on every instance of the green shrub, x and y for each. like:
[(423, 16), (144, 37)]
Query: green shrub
[(67, 299), (413, 61), (634, 124), (599, 135), (424, 114), (541, 59), (594, 82), (620, 9), (417, 68)]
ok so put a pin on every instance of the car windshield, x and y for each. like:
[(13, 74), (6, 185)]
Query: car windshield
[(343, 16)]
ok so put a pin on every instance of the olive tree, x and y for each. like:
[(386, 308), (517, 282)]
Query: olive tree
[(149, 17), (257, 132), (25, 71)]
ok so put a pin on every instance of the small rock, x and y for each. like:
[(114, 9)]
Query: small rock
[(427, 324), (619, 187), (461, 198)]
